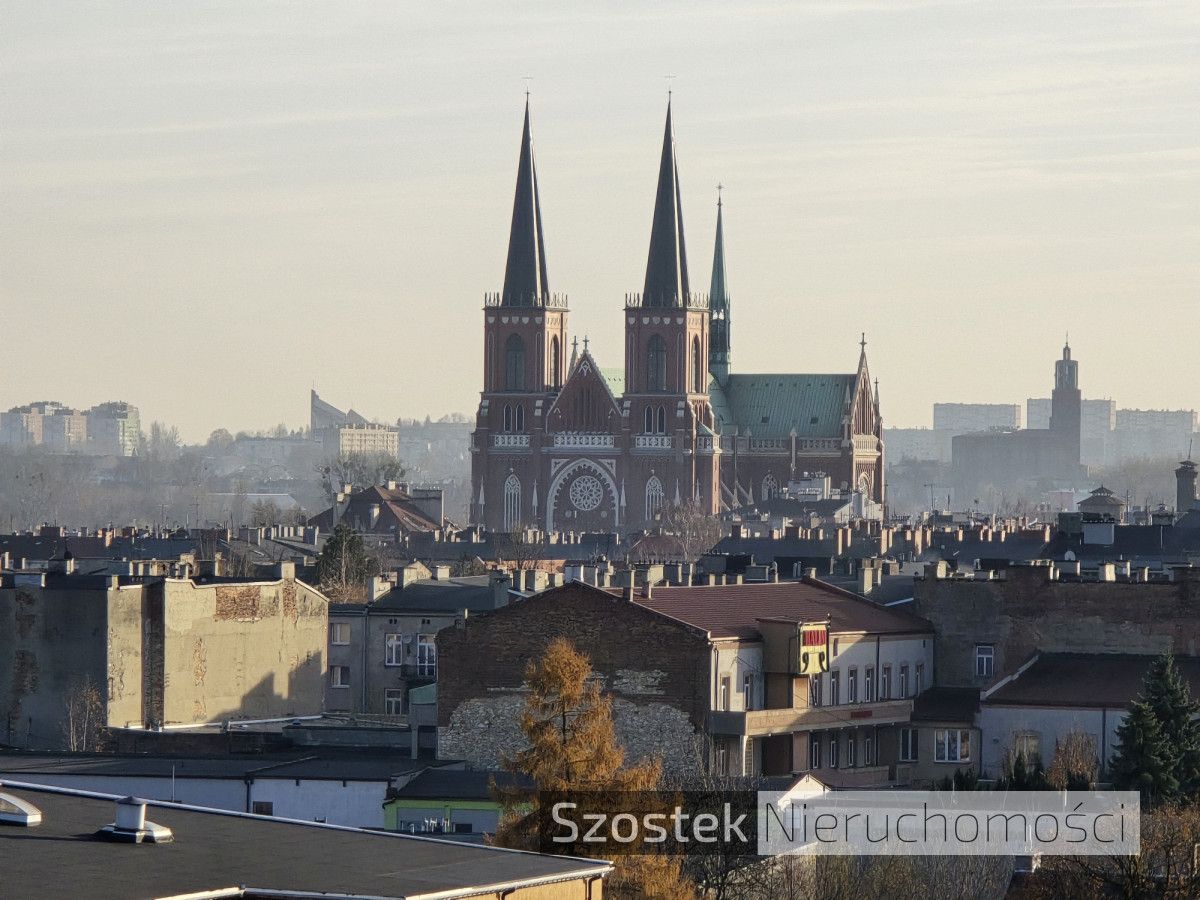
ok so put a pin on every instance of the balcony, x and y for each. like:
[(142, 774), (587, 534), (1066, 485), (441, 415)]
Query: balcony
[(764, 722), (652, 442), (580, 440), (510, 441)]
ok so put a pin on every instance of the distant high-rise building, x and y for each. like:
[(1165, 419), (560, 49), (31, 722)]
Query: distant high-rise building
[(966, 417), (349, 433), (114, 429)]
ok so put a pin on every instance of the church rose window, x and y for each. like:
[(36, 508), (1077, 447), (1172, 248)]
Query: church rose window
[(586, 493)]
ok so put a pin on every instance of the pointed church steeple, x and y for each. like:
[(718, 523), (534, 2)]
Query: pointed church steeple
[(666, 268), (525, 274), (718, 299)]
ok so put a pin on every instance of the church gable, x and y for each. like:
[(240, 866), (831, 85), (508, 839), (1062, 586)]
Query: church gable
[(585, 403)]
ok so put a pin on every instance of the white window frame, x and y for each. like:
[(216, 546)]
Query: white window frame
[(748, 691), (835, 687), (814, 751), (336, 629), (725, 692), (815, 700), (885, 683), (426, 655), (909, 746), (869, 684), (834, 747), (949, 744), (393, 649), (396, 696), (851, 751), (339, 677), (903, 683), (852, 685), (985, 660)]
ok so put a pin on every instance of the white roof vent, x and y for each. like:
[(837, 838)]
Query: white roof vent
[(15, 811), (131, 826)]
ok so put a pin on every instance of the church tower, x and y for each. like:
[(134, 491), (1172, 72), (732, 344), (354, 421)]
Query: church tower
[(718, 308), (667, 350), (525, 337), (1066, 411)]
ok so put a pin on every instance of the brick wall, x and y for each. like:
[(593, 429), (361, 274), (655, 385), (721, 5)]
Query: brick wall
[(1027, 612), (655, 669)]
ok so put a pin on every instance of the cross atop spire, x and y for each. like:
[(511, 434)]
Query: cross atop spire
[(863, 343), (666, 268), (525, 274)]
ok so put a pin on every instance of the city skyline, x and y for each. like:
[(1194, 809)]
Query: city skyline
[(981, 186)]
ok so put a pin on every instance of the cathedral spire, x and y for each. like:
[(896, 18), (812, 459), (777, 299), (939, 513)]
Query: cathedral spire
[(718, 299), (525, 273), (666, 268)]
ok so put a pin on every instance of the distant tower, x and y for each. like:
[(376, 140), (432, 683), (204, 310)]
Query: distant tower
[(1066, 412), (718, 308), (1185, 487)]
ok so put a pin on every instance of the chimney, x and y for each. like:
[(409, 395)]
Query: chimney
[(377, 586), (441, 573), (131, 826), (499, 582), (286, 571)]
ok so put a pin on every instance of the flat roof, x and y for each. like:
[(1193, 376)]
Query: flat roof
[(213, 850)]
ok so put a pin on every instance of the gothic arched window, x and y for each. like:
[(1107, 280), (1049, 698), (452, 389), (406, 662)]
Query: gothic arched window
[(662, 420), (512, 501), (554, 363), (519, 418), (514, 355), (656, 364), (654, 497), (697, 367), (769, 487), (508, 417), (649, 429)]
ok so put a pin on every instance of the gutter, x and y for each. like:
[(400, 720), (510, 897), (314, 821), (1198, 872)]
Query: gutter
[(1008, 679)]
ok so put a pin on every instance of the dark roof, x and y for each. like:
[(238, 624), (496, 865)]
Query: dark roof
[(458, 784), (946, 704), (1090, 680), (35, 546), (1133, 542), (525, 273), (399, 514), (666, 268), (214, 850), (474, 592), (732, 610)]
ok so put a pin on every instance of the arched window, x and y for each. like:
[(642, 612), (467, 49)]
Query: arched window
[(508, 417), (512, 501), (697, 367), (769, 487), (514, 354), (654, 497), (649, 429), (554, 361), (662, 420), (519, 418), (656, 364)]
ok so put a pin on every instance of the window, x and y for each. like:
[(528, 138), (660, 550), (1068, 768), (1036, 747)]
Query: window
[(656, 364), (770, 487), (697, 367), (339, 633), (554, 380), (903, 682), (869, 684), (814, 690), (426, 655), (655, 495), (508, 417), (951, 745), (835, 693), (852, 686), (1028, 745), (339, 676), (851, 750), (721, 761), (649, 429), (519, 418), (393, 649), (662, 420), (262, 808), (885, 683), (512, 501), (985, 660), (393, 702), (748, 690), (836, 644), (869, 750), (514, 357), (833, 750), (814, 752), (920, 680), (908, 745), (723, 695)]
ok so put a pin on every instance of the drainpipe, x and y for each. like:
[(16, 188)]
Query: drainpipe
[(362, 703)]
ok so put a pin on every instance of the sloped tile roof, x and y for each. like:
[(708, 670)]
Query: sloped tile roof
[(1088, 680), (770, 406)]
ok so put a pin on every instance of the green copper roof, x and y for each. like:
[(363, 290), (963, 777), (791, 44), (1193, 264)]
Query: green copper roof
[(770, 406)]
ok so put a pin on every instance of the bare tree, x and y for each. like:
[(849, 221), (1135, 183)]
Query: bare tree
[(83, 725), (696, 530), (523, 546)]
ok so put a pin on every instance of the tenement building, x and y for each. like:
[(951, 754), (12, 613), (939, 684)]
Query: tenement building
[(562, 443)]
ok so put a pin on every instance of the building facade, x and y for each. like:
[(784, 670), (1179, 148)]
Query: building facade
[(560, 443)]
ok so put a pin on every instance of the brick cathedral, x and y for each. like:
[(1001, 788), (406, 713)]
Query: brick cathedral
[(565, 445)]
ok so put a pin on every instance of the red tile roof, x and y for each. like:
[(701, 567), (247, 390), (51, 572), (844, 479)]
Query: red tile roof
[(732, 610)]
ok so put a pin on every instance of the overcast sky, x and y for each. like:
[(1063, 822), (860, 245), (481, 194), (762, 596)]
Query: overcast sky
[(208, 208)]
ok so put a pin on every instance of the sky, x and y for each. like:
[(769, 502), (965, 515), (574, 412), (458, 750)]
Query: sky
[(208, 208)]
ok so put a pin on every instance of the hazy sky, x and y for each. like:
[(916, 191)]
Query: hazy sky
[(207, 208)]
